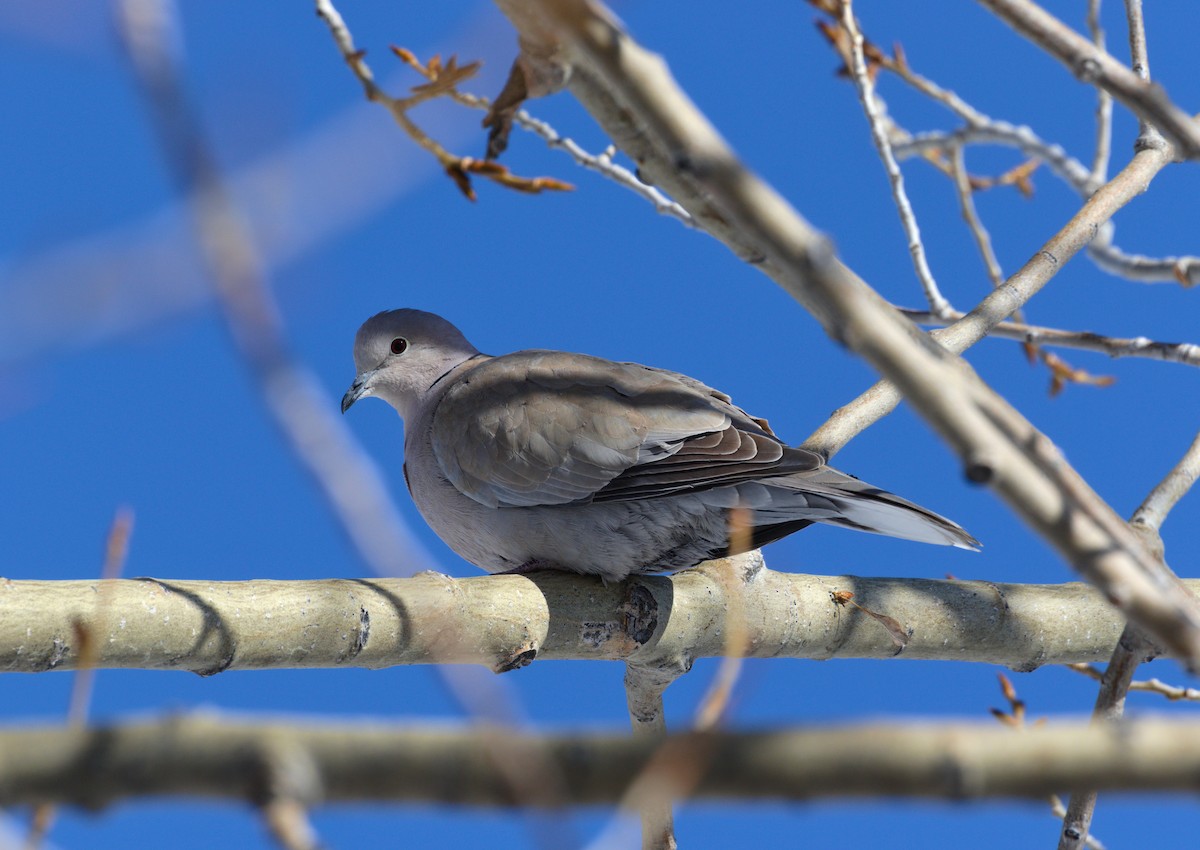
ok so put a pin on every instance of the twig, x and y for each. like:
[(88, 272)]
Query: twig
[(1070, 170), (938, 305), (966, 203), (601, 163), (1184, 270), (1094, 66), (1133, 647), (1174, 693), (458, 168), (882, 398), (1058, 810), (1104, 103), (1017, 718), (1110, 706), (1158, 503), (1061, 372)]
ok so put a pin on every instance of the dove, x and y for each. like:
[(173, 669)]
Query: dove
[(553, 460)]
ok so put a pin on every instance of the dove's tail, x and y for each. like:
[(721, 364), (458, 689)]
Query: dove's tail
[(832, 497)]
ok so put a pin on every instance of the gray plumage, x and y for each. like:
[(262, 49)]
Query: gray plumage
[(546, 459)]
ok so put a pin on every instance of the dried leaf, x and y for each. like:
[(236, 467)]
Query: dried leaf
[(1006, 687), (1063, 373), (409, 58), (895, 631), (461, 180)]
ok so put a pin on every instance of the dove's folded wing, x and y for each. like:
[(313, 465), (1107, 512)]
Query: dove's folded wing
[(552, 428)]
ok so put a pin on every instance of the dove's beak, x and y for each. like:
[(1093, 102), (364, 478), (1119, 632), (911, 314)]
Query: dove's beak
[(361, 387)]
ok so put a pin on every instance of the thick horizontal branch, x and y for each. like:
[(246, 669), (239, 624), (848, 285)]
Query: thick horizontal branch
[(204, 756), (507, 621)]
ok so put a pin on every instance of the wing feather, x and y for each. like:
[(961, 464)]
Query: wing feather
[(553, 428)]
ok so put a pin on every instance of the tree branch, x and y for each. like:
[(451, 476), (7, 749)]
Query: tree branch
[(1187, 353), (506, 622), (206, 756), (631, 93), (1147, 100)]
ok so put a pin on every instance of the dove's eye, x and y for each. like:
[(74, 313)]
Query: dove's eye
[(399, 344)]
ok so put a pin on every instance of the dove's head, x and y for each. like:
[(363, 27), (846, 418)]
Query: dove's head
[(400, 354)]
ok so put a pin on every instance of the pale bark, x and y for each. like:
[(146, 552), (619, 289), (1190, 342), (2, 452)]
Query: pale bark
[(504, 622)]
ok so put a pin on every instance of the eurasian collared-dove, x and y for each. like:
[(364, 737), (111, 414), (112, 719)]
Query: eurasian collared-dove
[(545, 459)]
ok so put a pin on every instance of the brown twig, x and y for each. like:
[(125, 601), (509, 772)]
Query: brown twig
[(442, 80), (84, 631)]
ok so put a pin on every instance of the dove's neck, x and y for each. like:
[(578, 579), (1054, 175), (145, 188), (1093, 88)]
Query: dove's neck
[(415, 410)]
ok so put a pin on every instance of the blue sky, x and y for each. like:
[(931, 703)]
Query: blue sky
[(119, 385)]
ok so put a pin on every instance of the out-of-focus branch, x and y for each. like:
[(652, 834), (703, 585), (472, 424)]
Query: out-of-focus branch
[(1147, 100), (506, 622), (206, 756), (303, 413)]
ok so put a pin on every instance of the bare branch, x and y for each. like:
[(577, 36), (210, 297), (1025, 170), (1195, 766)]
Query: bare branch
[(1174, 693), (1130, 651), (201, 755), (1186, 353), (966, 202), (1139, 55), (505, 622), (876, 117), (1096, 67), (1104, 103), (1154, 509), (459, 168), (882, 398), (325, 447)]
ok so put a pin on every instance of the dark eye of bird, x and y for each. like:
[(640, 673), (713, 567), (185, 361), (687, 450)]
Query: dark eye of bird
[(399, 344)]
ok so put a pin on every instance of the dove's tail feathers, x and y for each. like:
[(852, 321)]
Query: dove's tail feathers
[(880, 512), (844, 500)]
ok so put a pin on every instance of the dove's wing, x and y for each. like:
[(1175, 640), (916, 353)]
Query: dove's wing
[(553, 428)]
